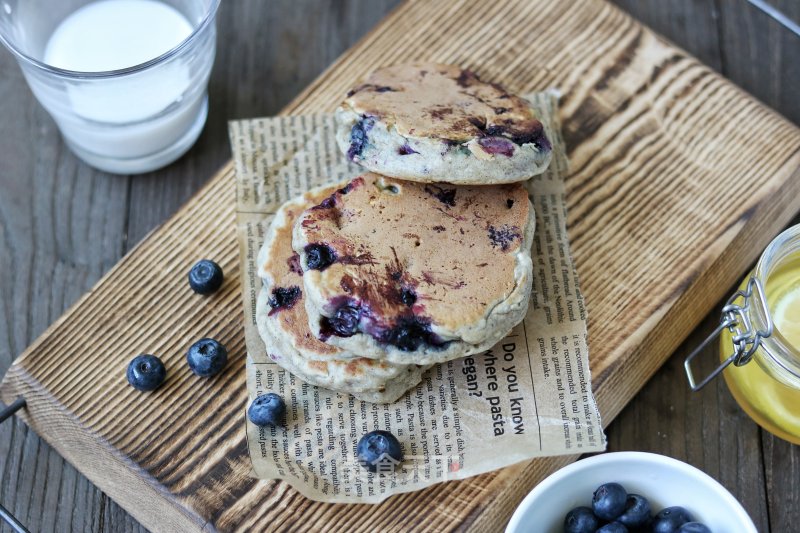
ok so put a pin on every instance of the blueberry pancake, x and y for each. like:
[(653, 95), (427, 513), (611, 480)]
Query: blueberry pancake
[(416, 273), (283, 324), (434, 122)]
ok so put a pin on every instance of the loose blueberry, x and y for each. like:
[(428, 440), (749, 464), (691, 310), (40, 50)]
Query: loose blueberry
[(636, 513), (581, 520), (267, 410), (205, 277), (694, 527), (146, 372), (344, 322), (206, 357), (608, 501), (613, 527), (379, 451), (319, 256), (669, 520)]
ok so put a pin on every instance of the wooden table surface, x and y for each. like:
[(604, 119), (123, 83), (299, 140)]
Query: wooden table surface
[(63, 224)]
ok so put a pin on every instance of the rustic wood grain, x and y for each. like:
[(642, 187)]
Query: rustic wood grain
[(718, 438), (142, 221)]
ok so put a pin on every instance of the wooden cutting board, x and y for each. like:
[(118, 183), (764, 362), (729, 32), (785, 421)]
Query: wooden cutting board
[(678, 182)]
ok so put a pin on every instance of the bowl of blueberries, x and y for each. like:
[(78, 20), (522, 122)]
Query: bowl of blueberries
[(630, 492)]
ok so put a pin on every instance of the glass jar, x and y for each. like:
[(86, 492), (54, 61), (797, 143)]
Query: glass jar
[(132, 119), (760, 335)]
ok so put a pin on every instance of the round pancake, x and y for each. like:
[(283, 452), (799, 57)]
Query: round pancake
[(369, 380), (283, 323), (416, 273), (434, 122)]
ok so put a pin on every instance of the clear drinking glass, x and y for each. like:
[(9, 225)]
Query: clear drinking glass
[(125, 121)]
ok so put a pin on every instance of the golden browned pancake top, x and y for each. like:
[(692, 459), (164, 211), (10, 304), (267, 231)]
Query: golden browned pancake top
[(435, 253), (445, 102)]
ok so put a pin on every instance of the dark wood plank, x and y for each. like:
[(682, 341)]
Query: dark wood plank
[(690, 24), (60, 229), (761, 56), (782, 462)]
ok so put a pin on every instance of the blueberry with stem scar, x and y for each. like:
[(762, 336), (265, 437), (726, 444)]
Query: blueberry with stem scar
[(146, 372), (205, 277), (608, 501), (636, 513), (206, 357), (581, 520), (670, 519)]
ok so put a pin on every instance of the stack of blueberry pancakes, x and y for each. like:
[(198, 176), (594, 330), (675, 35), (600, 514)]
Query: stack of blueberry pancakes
[(422, 259)]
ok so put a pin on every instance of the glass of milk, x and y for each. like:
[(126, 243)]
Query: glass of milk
[(125, 80)]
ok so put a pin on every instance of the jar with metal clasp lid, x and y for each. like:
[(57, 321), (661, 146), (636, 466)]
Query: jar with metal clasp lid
[(760, 340)]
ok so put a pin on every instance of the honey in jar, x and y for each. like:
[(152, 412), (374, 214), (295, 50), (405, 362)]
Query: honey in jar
[(760, 335)]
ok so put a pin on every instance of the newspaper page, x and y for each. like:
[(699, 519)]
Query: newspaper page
[(529, 396)]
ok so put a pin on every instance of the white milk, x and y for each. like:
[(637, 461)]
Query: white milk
[(115, 34), (132, 116)]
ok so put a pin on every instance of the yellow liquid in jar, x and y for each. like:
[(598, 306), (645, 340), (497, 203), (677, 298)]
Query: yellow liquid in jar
[(774, 405)]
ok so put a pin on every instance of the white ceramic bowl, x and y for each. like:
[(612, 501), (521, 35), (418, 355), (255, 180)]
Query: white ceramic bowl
[(662, 480)]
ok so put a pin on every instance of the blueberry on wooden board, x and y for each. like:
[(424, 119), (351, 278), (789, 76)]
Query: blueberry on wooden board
[(267, 410), (205, 277), (146, 372), (581, 520), (379, 451), (206, 357)]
